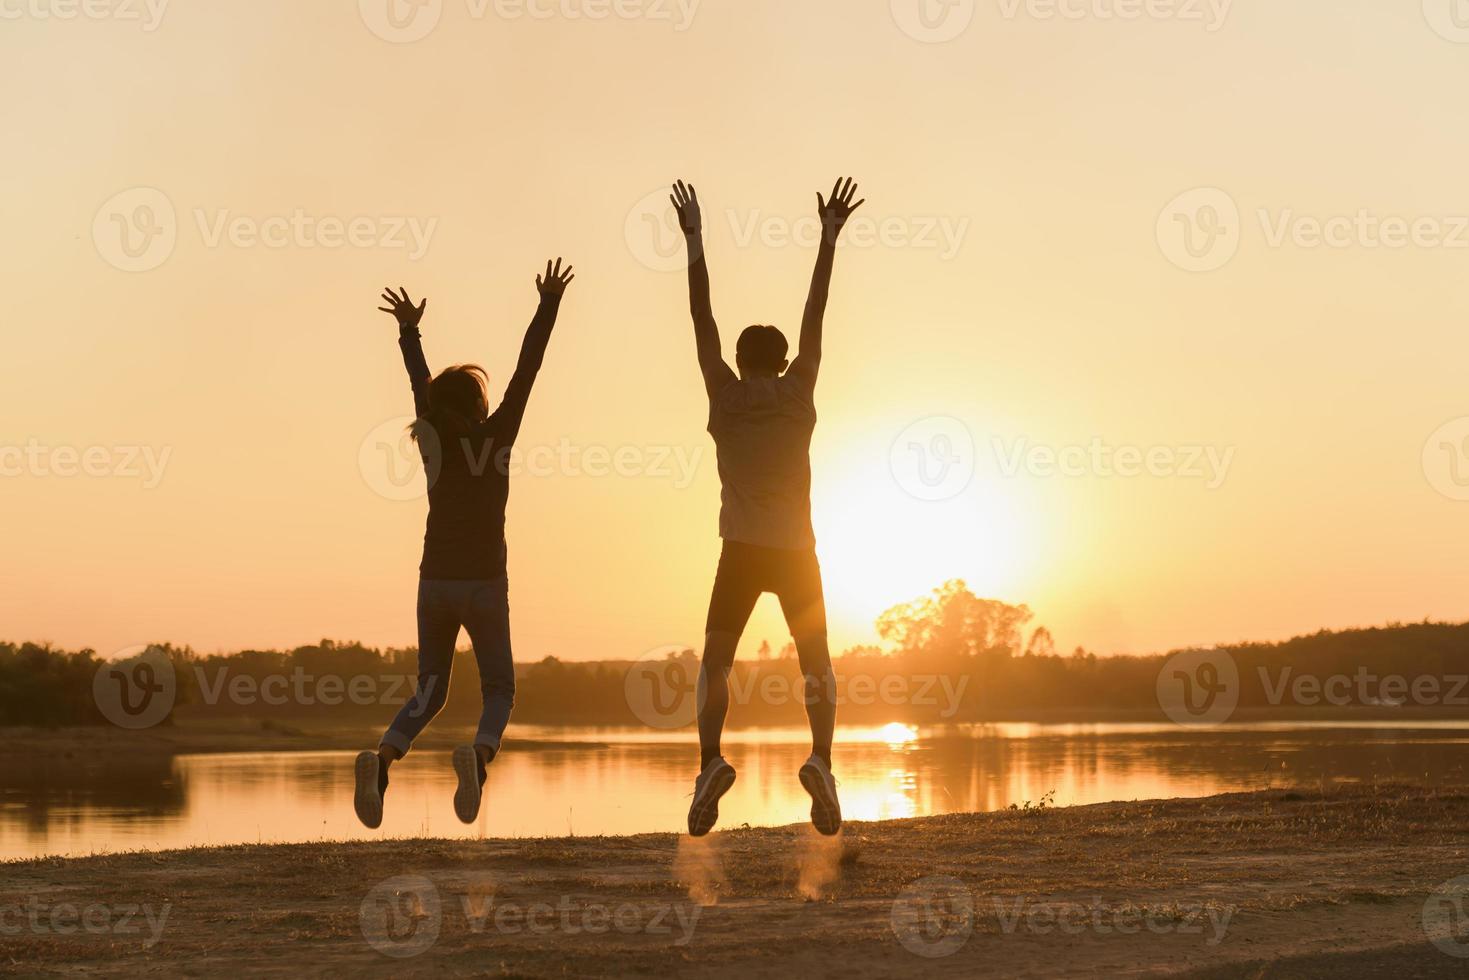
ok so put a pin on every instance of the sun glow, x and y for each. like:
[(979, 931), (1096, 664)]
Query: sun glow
[(880, 546), (896, 734)]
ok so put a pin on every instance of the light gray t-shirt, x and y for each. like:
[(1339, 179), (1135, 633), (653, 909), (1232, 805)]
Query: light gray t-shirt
[(762, 431)]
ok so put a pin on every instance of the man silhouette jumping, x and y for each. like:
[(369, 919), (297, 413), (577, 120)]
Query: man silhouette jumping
[(762, 422)]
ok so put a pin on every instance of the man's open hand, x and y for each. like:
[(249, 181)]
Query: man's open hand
[(686, 202), (555, 281), (835, 212)]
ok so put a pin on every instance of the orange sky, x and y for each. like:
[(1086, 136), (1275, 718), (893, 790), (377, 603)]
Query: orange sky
[(1016, 305)]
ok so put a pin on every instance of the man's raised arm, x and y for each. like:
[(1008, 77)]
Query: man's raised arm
[(706, 332), (834, 215)]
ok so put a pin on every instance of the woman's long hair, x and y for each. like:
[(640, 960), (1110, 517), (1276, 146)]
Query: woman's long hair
[(458, 400)]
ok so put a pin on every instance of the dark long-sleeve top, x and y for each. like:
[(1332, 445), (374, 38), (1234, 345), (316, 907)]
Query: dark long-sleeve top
[(469, 472)]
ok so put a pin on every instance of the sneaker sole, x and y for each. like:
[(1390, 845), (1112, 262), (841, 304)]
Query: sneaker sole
[(703, 817), (367, 801), (467, 796), (826, 811)]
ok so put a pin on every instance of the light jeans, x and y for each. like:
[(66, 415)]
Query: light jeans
[(483, 609)]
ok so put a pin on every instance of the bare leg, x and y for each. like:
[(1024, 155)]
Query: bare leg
[(821, 693), (713, 692), (804, 604)]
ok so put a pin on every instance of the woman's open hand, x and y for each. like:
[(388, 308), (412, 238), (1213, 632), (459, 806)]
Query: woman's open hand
[(402, 307)]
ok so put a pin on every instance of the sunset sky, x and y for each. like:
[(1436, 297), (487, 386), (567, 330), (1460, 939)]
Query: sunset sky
[(1020, 281)]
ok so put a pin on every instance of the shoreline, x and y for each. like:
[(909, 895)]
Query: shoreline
[(1325, 880), (196, 737), (116, 744)]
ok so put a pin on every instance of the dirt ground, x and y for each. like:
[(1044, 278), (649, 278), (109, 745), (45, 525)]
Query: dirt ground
[(1275, 884)]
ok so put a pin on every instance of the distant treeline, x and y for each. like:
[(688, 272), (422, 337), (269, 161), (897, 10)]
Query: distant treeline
[(951, 657)]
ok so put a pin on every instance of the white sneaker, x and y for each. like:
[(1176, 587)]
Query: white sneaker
[(471, 783), (826, 809), (368, 800), (716, 779)]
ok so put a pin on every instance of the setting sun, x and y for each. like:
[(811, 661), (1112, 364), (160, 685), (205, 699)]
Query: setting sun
[(880, 545), (896, 734)]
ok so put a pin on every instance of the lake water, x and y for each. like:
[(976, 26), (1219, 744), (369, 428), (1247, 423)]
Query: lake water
[(640, 782)]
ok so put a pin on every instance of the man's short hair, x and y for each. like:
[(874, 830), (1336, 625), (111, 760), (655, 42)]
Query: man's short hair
[(762, 348)]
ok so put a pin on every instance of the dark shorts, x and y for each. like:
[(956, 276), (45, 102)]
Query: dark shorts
[(747, 571)]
